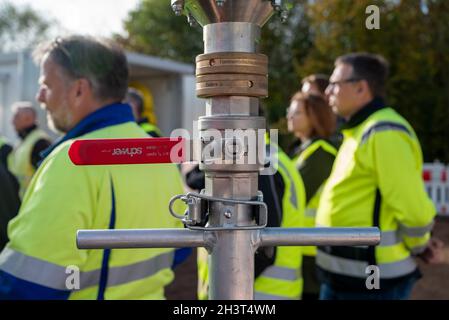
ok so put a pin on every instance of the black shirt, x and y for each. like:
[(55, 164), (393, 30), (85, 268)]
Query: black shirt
[(9, 202), (5, 150)]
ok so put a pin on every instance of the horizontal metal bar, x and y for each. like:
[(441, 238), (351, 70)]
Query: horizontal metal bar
[(319, 236), (139, 238)]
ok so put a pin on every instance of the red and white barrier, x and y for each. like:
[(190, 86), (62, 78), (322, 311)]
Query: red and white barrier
[(436, 178)]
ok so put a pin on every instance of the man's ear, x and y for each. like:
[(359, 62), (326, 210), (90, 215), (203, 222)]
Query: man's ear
[(362, 86), (82, 87)]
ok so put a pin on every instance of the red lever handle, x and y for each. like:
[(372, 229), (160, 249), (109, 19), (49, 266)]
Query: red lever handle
[(128, 151)]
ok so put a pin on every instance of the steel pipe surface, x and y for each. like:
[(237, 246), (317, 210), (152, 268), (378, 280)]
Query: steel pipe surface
[(139, 238), (319, 237)]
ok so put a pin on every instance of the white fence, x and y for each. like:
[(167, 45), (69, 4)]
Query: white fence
[(436, 176)]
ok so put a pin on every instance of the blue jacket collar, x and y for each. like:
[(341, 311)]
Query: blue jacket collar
[(107, 116)]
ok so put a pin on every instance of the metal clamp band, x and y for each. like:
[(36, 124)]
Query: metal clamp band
[(190, 219)]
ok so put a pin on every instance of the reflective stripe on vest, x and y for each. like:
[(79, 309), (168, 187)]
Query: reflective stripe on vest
[(384, 126), (314, 146), (55, 276), (293, 192), (355, 268), (283, 280)]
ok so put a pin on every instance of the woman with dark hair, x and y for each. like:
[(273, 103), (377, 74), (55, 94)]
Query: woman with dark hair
[(312, 121)]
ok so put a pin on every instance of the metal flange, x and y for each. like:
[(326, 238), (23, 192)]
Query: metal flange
[(232, 62), (248, 85)]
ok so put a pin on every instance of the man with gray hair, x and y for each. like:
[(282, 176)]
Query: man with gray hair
[(25, 158), (82, 83)]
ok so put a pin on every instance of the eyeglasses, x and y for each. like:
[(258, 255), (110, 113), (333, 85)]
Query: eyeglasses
[(334, 83)]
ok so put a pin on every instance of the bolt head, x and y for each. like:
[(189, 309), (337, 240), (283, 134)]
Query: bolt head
[(228, 214)]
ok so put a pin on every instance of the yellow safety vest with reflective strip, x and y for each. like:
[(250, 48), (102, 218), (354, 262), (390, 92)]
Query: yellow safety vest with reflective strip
[(312, 205), (63, 198), (19, 161), (149, 127), (376, 180), (282, 280)]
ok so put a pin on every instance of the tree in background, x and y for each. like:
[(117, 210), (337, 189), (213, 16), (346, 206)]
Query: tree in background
[(20, 28), (154, 29), (413, 36)]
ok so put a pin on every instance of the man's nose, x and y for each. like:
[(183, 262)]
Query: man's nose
[(40, 95), (328, 90)]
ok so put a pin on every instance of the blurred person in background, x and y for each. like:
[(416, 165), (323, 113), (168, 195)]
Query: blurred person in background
[(25, 158), (312, 121), (315, 84), (376, 181), (135, 99)]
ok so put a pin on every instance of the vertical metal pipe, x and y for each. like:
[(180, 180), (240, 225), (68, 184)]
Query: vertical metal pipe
[(231, 266), (232, 256)]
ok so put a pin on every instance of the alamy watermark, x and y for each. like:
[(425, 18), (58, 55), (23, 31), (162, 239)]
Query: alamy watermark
[(72, 282), (229, 146), (372, 22), (373, 279)]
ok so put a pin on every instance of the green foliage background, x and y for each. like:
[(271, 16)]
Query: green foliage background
[(21, 28), (414, 37)]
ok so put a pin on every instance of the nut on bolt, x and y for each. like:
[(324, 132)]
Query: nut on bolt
[(228, 213)]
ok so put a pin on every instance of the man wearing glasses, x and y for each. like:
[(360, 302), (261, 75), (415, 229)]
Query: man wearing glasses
[(375, 182)]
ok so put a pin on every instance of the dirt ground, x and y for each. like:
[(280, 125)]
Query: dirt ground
[(434, 285)]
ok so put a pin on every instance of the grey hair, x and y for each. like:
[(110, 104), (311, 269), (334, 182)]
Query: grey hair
[(26, 106), (100, 61)]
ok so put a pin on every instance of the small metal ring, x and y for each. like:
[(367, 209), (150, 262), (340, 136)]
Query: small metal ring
[(172, 201)]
